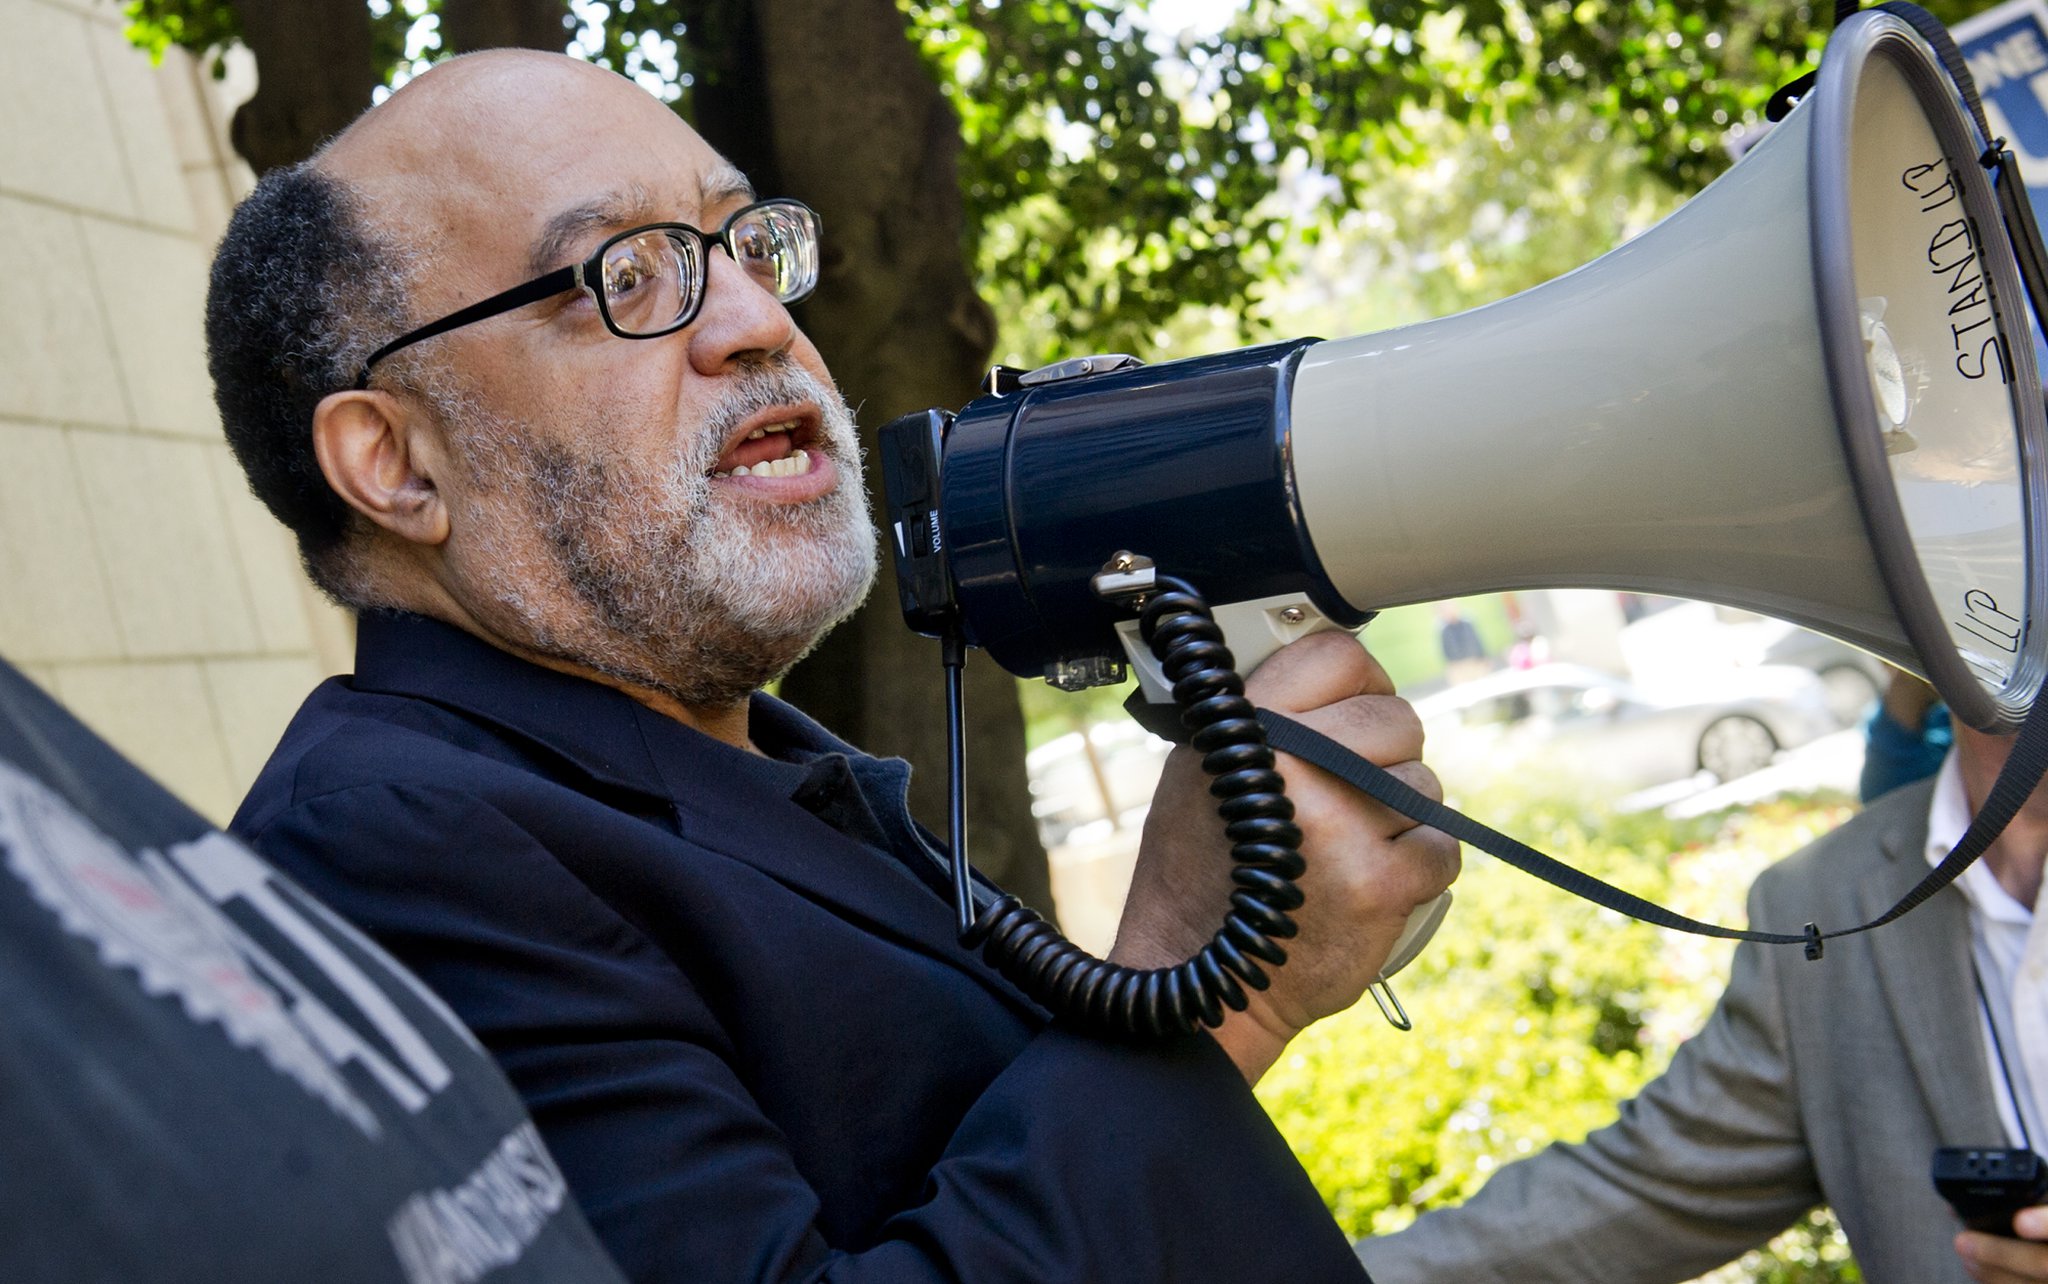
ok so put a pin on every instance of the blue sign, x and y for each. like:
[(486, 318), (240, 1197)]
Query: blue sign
[(2007, 51)]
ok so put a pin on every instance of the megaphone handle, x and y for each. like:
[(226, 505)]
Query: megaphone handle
[(1251, 802), (1422, 925), (1252, 630)]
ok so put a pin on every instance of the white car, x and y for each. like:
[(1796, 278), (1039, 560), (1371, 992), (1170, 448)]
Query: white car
[(1855, 679), (1578, 722), (1681, 638)]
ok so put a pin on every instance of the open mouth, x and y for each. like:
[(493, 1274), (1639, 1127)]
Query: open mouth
[(777, 449)]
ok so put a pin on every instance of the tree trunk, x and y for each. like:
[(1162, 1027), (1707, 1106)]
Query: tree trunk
[(729, 101), (315, 75), (468, 25), (862, 132)]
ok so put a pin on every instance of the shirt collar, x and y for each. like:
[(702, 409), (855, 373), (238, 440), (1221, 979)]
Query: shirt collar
[(602, 731), (1948, 816)]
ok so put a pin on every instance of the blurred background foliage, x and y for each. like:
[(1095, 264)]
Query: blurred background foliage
[(1536, 1014)]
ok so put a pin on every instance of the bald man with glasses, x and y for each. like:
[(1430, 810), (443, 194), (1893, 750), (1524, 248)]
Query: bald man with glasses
[(583, 519)]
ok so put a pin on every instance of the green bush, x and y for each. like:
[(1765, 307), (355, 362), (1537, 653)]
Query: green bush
[(1535, 1013)]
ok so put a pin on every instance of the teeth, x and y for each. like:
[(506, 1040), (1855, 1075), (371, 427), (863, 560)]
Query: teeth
[(795, 464)]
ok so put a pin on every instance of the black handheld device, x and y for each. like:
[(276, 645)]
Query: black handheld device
[(1986, 1185)]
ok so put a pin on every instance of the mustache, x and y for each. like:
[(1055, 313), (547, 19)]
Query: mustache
[(775, 380)]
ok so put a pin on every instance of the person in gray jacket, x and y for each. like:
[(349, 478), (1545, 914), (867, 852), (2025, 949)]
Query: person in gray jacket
[(1828, 1082)]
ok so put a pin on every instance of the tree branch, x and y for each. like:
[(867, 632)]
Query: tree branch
[(468, 25), (316, 75)]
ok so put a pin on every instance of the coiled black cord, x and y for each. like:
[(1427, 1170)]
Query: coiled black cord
[(1108, 998)]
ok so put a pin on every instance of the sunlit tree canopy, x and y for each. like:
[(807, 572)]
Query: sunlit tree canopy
[(1125, 164)]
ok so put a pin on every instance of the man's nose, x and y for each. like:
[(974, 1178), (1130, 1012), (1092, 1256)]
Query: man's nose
[(740, 319)]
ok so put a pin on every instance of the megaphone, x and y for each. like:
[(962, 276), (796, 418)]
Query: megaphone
[(1810, 392)]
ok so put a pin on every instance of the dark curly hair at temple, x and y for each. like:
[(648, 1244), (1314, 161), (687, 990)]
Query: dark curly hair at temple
[(300, 288)]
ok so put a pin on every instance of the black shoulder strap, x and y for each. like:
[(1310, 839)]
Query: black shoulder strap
[(2023, 770)]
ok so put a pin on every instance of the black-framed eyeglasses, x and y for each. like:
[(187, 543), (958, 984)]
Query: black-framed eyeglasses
[(650, 281)]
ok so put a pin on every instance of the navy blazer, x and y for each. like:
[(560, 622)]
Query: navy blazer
[(750, 1039)]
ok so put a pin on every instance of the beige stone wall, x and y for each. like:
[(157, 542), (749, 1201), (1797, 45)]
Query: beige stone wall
[(139, 581)]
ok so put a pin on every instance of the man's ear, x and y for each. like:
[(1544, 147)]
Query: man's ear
[(381, 459)]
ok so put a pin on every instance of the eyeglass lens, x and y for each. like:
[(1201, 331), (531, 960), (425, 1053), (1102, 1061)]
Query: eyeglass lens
[(649, 278), (652, 279), (778, 245)]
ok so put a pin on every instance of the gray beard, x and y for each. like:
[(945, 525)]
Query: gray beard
[(702, 598)]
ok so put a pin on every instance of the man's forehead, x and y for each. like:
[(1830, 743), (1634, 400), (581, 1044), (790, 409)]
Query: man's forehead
[(715, 191), (530, 152)]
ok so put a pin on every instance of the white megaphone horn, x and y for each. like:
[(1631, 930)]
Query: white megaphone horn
[(1810, 392)]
